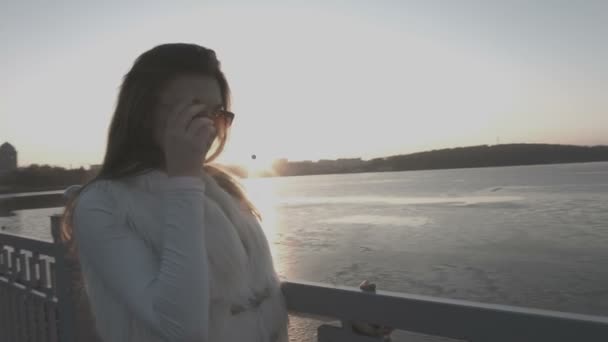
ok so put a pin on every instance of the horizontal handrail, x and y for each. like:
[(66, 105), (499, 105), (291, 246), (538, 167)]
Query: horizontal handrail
[(39, 201), (458, 319), (29, 243)]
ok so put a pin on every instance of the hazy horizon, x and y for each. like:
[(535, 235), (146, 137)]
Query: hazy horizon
[(318, 80), (263, 170)]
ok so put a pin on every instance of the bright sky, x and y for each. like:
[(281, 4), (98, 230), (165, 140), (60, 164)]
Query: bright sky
[(320, 79)]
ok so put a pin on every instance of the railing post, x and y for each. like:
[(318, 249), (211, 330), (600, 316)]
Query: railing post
[(67, 319)]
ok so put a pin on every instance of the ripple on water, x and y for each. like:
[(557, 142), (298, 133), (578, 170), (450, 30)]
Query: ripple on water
[(381, 220), (399, 200)]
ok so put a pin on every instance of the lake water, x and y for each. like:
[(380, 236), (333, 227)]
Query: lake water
[(534, 236)]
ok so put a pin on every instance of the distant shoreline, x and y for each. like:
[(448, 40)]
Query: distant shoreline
[(60, 188), (435, 169), (483, 156), (452, 158)]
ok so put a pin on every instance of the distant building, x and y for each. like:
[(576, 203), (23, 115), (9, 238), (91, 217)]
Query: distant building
[(95, 167), (8, 157)]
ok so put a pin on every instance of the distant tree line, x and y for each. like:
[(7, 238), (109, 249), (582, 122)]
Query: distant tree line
[(43, 177), (283, 167), (451, 158), (486, 156)]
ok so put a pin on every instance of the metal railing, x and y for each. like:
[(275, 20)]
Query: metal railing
[(37, 304), (28, 290), (455, 319)]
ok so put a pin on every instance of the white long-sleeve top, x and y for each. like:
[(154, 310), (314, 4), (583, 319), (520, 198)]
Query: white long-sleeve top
[(176, 259)]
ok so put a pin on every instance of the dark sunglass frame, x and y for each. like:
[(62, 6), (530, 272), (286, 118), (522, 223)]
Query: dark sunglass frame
[(226, 115)]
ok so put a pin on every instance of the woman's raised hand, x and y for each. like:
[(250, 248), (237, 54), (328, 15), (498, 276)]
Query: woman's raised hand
[(188, 137)]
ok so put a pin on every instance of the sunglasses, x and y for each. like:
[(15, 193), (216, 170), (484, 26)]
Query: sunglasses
[(222, 114), (219, 115)]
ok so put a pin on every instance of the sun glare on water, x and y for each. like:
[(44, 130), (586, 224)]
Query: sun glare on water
[(257, 165), (263, 193)]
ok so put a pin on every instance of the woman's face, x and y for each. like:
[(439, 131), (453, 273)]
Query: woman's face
[(185, 90)]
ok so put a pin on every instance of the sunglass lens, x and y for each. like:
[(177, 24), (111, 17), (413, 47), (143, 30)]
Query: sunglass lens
[(229, 117)]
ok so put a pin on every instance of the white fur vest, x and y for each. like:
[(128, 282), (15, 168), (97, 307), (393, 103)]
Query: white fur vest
[(246, 303)]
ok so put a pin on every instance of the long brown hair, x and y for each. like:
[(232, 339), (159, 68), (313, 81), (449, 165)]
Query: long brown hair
[(131, 147)]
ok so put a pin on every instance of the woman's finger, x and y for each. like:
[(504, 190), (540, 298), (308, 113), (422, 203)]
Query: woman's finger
[(183, 118), (206, 134), (202, 131), (193, 113), (198, 124), (176, 110)]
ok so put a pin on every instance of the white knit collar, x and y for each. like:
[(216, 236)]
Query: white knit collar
[(152, 179), (156, 179)]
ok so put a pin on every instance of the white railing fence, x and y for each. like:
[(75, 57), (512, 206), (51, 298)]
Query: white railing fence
[(455, 319), (39, 302), (28, 290)]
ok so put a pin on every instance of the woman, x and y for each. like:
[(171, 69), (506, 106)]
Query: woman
[(171, 250)]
